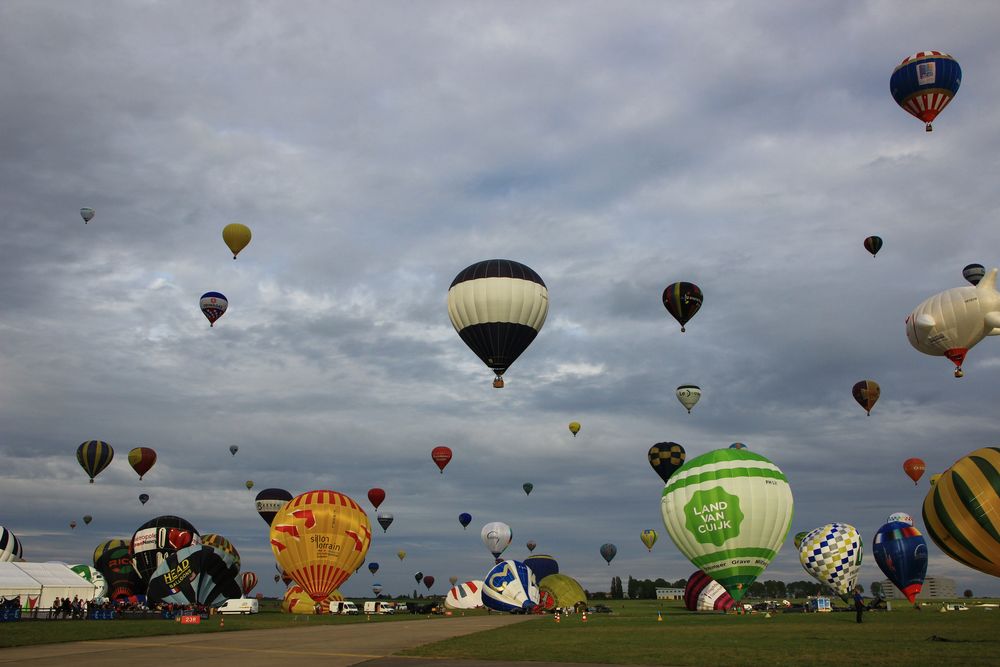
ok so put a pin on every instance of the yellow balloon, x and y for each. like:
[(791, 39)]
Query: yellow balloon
[(401, 554), (320, 538), (574, 428), (648, 538), (934, 479), (236, 236), (297, 601)]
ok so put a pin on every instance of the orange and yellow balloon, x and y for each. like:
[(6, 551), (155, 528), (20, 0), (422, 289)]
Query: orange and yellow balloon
[(320, 538)]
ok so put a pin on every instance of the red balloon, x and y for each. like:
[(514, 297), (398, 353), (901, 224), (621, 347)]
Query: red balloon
[(441, 456), (376, 496), (914, 469), (249, 581), (428, 581)]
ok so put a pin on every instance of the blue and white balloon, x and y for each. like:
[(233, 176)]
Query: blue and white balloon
[(510, 586)]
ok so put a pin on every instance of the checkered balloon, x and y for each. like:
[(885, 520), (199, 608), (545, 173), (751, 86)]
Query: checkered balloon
[(665, 458), (832, 554)]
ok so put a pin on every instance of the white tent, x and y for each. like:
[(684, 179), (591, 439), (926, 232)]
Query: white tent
[(47, 580)]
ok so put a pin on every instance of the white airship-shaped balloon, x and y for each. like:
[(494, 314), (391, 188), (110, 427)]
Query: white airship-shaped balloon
[(950, 323)]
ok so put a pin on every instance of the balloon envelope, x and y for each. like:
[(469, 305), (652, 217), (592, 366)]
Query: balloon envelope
[(510, 586), (226, 550), (112, 559), (527, 486), (87, 519), (574, 428), (141, 459), (143, 498), (92, 575), (467, 595), (873, 244), (213, 306), (974, 273), (648, 538), (866, 393), (269, 501), (688, 395), (373, 567), (248, 582), (496, 536), (608, 552), (385, 520), (564, 591), (914, 469), (465, 519), (87, 214), (542, 565), (154, 540), (10, 546), (441, 455), (94, 456), (236, 236), (428, 581), (832, 555), (531, 545), (901, 553), (233, 449), (376, 496), (665, 458), (702, 593), (401, 554), (925, 83), (682, 300), (196, 574)]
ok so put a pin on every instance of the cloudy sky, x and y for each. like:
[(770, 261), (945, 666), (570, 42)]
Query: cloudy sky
[(377, 150)]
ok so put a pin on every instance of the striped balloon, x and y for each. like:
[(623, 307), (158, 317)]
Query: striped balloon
[(925, 83), (94, 456), (703, 593), (728, 511), (249, 583), (682, 300), (10, 546), (962, 511)]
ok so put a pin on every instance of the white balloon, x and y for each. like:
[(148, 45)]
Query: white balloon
[(688, 395), (468, 595), (496, 536)]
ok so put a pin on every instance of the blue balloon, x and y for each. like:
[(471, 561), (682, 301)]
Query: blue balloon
[(510, 586), (373, 567), (925, 83), (542, 565), (901, 553), (465, 519)]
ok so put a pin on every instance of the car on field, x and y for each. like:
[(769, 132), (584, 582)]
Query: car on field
[(599, 609)]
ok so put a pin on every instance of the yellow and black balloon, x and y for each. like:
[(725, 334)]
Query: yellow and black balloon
[(94, 456)]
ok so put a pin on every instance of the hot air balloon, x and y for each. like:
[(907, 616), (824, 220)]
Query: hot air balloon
[(901, 553), (665, 458), (417, 576), (112, 559), (226, 550), (452, 580), (498, 307), (401, 554), (269, 501), (465, 519), (608, 552), (377, 589), (248, 484), (682, 300), (527, 486), (531, 545), (87, 214), (143, 498), (542, 565), (441, 455), (10, 546), (574, 428), (737, 445), (561, 590), (320, 538), (428, 581), (72, 525), (156, 538), (248, 582), (87, 519), (688, 395), (385, 520), (468, 595), (94, 456), (974, 273), (648, 538), (496, 536), (703, 593), (373, 568), (925, 83), (873, 244), (832, 555), (952, 322), (92, 575), (797, 540), (141, 459), (233, 449), (236, 236), (901, 517), (195, 574), (298, 601), (962, 511), (866, 393), (376, 496), (510, 586), (214, 306), (728, 511), (914, 469), (935, 478)]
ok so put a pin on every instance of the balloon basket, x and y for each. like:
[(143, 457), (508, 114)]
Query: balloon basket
[(557, 618), (659, 616), (584, 617)]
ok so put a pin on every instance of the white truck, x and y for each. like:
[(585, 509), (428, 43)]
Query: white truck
[(344, 608), (380, 607), (240, 606)]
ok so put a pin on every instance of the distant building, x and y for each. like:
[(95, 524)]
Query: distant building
[(935, 588), (672, 593)]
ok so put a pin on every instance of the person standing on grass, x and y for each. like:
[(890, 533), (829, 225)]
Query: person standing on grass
[(859, 602)]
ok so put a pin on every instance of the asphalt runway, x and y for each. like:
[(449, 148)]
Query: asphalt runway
[(335, 645)]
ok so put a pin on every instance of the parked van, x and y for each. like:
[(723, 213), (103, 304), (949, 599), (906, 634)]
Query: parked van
[(240, 606), (344, 607), (380, 607)]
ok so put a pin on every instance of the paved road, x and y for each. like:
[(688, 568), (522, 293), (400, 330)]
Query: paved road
[(334, 645)]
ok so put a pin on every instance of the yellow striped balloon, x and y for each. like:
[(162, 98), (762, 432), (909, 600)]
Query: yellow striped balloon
[(94, 456), (962, 511)]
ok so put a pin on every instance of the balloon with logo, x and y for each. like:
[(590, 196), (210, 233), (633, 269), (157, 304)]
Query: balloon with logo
[(925, 83), (465, 519), (10, 546), (608, 552), (143, 498), (196, 574), (236, 236), (682, 300), (248, 582), (157, 538), (962, 510), (141, 459), (92, 575), (269, 501), (531, 544), (648, 538), (914, 469), (702, 593), (542, 565), (225, 549), (441, 455), (901, 553), (688, 395), (496, 536), (385, 520), (832, 555), (901, 517), (376, 496), (94, 456), (974, 273), (866, 393), (665, 458), (213, 306), (113, 561), (728, 511), (873, 244), (87, 214), (574, 428), (320, 538), (510, 586)]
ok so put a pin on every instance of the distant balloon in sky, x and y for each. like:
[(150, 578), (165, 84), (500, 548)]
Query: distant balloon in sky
[(900, 517), (574, 428), (498, 306), (143, 498), (608, 552), (974, 273), (531, 545), (728, 511), (376, 496), (87, 214), (925, 83), (72, 524), (94, 456), (866, 393), (428, 581), (832, 554), (141, 459), (465, 519), (418, 576), (377, 589), (648, 538), (665, 458), (496, 536), (688, 395), (385, 520), (269, 501), (233, 449), (249, 582), (236, 236), (373, 568), (87, 519), (249, 484), (682, 300), (873, 244), (527, 486), (914, 469), (441, 455), (952, 322), (401, 554), (213, 306), (901, 553), (737, 445)]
